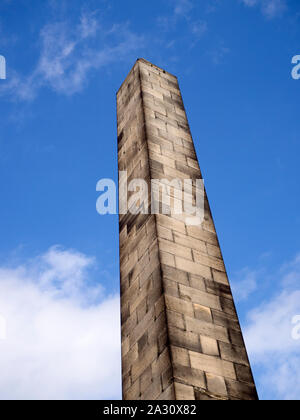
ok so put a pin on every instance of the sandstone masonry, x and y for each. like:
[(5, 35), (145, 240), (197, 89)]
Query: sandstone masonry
[(181, 338)]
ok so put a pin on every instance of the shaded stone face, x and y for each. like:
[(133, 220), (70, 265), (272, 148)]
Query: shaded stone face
[(181, 338)]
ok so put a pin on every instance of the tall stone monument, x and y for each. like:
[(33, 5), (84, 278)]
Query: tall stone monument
[(181, 337)]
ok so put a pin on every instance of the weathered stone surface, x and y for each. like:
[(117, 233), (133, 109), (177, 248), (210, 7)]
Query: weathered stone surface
[(209, 346), (189, 376), (241, 390), (216, 384), (181, 337), (184, 392)]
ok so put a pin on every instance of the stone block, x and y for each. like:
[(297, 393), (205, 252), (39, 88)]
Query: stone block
[(233, 353), (202, 313), (241, 390), (175, 319), (193, 268), (178, 305), (175, 249), (189, 376), (184, 392), (216, 384), (170, 223), (244, 373), (174, 274), (199, 297), (180, 356), (205, 328), (184, 339), (211, 364), (209, 346)]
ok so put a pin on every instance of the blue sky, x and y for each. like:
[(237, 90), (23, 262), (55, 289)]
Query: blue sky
[(59, 281)]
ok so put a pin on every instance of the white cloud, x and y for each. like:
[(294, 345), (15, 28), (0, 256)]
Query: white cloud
[(270, 8), (270, 326), (268, 335), (282, 375), (244, 283), (69, 53), (63, 333)]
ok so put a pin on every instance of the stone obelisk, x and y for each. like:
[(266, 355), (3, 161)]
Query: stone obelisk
[(181, 337)]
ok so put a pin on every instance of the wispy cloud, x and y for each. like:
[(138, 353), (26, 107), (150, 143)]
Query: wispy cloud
[(270, 8), (291, 272), (63, 333), (182, 7), (68, 56), (199, 28), (219, 53), (182, 10), (244, 283)]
